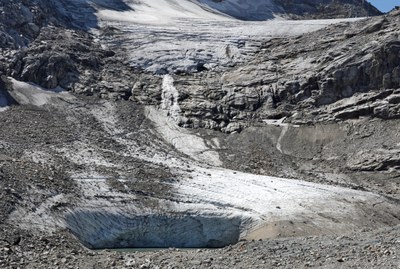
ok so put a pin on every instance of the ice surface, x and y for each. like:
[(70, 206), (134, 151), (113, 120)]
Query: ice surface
[(167, 36), (160, 12)]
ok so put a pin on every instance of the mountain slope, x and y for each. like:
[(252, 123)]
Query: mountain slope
[(171, 123), (328, 9), (268, 9), (22, 20)]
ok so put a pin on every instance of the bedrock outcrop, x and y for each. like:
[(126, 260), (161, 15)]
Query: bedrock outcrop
[(345, 73), (267, 9)]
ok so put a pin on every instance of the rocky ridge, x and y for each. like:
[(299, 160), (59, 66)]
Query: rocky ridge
[(263, 10), (328, 9), (322, 9)]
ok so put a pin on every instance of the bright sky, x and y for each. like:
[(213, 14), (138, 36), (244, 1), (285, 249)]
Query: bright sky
[(385, 5)]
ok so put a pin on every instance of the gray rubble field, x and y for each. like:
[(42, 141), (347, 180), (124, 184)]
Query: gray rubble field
[(225, 134)]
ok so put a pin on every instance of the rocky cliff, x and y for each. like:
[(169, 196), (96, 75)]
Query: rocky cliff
[(308, 9), (328, 9)]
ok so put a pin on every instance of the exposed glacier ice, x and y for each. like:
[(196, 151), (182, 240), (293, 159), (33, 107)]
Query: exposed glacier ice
[(168, 36)]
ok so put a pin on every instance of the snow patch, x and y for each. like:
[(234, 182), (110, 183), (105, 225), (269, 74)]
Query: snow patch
[(184, 141), (160, 12), (31, 94)]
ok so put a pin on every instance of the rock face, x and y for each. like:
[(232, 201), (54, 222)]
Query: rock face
[(21, 22), (328, 9), (308, 9), (58, 57), (324, 82), (59, 52)]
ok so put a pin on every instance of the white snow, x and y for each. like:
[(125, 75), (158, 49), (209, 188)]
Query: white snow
[(26, 93), (167, 36), (181, 139), (159, 12)]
